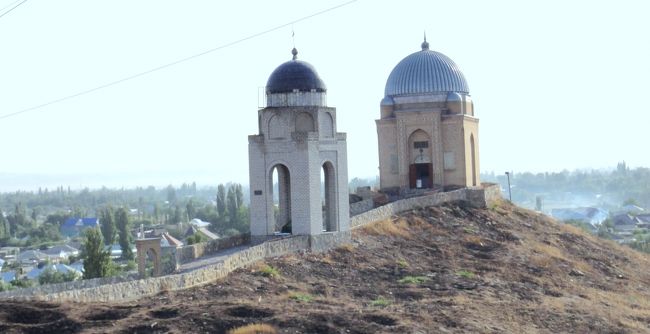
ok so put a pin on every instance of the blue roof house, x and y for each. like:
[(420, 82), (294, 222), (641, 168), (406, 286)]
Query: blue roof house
[(8, 276), (73, 227)]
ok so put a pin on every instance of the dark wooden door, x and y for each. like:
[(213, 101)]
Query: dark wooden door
[(413, 176)]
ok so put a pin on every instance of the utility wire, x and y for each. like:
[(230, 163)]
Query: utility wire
[(7, 12), (112, 83), (9, 5)]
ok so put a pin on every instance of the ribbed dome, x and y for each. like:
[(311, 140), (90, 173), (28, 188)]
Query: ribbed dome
[(425, 72), (294, 74)]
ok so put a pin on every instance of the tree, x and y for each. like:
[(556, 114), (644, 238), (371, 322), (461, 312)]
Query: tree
[(221, 201), (156, 213), (4, 226), (190, 210), (176, 218), (18, 220), (233, 209), (196, 238), (171, 194), (239, 195), (124, 228), (51, 276), (97, 259), (107, 221), (57, 219)]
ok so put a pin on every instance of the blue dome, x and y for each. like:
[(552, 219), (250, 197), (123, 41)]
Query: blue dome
[(425, 72), (292, 75)]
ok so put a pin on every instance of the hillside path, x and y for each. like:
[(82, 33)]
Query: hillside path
[(211, 259)]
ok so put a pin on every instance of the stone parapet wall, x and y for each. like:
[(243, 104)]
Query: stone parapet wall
[(492, 193), (123, 289), (326, 241), (192, 252), (393, 208), (361, 206), (129, 288), (481, 197)]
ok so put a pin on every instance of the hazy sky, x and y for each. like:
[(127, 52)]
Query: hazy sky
[(556, 84)]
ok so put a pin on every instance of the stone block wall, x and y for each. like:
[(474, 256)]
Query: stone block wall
[(192, 252), (129, 288), (361, 206), (124, 289), (390, 209), (492, 193), (326, 241), (480, 197)]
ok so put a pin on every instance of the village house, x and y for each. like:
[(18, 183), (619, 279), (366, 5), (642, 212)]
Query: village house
[(590, 215), (31, 257), (625, 223), (61, 252), (74, 227)]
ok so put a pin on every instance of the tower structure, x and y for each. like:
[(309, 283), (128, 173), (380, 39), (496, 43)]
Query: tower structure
[(427, 132), (299, 143)]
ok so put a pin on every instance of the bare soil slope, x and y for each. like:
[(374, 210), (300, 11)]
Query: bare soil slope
[(447, 269)]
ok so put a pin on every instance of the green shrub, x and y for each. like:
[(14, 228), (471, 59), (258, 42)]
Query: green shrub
[(301, 297), (380, 302), (465, 274), (269, 271)]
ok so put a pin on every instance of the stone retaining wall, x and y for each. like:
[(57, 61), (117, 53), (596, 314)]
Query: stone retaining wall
[(114, 289), (326, 241), (193, 252), (128, 288), (481, 197), (361, 206), (393, 208)]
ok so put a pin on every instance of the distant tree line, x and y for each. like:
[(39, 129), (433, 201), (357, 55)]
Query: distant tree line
[(34, 218), (612, 186)]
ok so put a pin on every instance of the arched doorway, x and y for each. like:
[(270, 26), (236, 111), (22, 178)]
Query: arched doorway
[(280, 190), (420, 163), (328, 197), (148, 251), (473, 153)]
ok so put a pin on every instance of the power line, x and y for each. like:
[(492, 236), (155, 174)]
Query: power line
[(7, 12), (112, 83), (9, 5)]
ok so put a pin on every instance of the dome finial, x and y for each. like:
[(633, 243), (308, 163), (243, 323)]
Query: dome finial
[(294, 52), (425, 44)]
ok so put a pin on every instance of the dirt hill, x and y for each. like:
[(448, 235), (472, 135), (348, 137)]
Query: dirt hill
[(447, 269)]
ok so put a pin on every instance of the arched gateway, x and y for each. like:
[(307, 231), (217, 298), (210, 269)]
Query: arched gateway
[(296, 144)]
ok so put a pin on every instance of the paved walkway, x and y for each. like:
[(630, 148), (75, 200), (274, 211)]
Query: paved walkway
[(210, 259)]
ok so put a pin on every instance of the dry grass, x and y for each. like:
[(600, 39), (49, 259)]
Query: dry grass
[(254, 329), (387, 227), (473, 240), (549, 256), (349, 248), (327, 258), (573, 230), (548, 250), (542, 261)]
